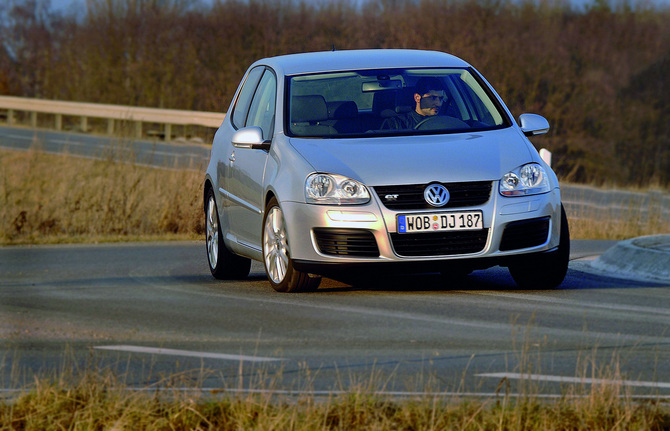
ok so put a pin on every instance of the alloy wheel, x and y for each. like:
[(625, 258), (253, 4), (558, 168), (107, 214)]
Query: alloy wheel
[(212, 223), (275, 245)]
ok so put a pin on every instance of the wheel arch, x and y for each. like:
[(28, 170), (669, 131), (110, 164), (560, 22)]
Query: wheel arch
[(268, 196), (205, 190)]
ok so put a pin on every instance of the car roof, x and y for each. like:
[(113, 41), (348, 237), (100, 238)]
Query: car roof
[(328, 61)]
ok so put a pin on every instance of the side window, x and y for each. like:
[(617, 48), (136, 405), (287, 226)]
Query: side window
[(239, 114), (262, 111)]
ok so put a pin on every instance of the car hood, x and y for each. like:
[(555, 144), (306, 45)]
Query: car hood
[(418, 159)]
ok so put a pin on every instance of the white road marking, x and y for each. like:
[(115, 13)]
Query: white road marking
[(175, 352), (10, 135), (587, 380)]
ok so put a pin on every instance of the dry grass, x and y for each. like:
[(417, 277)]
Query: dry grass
[(627, 214), (592, 227), (48, 198), (99, 400)]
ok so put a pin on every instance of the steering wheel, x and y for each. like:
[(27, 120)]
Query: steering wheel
[(441, 122)]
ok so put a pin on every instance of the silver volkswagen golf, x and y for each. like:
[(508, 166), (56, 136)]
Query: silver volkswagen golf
[(344, 162)]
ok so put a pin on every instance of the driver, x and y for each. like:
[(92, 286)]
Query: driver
[(429, 97)]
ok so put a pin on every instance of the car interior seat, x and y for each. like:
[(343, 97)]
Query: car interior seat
[(309, 116)]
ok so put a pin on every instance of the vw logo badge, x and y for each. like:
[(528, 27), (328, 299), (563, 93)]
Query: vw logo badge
[(436, 195)]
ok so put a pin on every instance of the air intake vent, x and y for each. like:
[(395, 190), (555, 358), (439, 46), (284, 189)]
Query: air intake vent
[(346, 242), (439, 244), (525, 233)]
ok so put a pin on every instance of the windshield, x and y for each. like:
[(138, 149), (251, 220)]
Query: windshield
[(390, 102)]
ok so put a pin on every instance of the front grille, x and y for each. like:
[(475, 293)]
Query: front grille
[(525, 233), (410, 197), (346, 242), (439, 243)]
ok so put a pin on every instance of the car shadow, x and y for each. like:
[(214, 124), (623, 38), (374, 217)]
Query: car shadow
[(496, 278), (491, 279)]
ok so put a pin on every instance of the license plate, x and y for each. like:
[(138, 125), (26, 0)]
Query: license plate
[(440, 222)]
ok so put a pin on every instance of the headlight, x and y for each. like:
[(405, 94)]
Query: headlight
[(334, 190), (530, 179)]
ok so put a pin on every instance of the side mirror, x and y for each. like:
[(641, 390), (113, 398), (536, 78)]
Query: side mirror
[(532, 124), (251, 138)]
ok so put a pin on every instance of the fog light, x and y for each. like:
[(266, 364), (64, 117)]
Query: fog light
[(351, 216)]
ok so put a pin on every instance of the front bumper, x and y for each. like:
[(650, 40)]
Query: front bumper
[(323, 237)]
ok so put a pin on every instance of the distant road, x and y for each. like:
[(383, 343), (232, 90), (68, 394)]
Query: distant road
[(179, 155)]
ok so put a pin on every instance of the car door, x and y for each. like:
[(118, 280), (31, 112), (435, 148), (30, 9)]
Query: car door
[(247, 166)]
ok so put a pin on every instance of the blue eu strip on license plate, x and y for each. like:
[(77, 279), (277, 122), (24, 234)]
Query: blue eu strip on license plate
[(440, 222)]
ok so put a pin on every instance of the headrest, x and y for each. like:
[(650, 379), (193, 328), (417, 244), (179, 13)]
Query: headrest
[(342, 109), (406, 97), (383, 100), (308, 109)]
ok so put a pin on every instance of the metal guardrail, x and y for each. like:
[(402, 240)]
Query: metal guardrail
[(589, 202), (112, 113)]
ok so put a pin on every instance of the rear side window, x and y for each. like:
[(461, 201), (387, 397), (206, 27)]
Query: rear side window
[(241, 109)]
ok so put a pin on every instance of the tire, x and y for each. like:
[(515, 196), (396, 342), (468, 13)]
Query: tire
[(223, 264), (546, 270), (277, 256)]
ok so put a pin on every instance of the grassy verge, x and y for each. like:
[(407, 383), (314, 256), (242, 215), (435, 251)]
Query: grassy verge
[(101, 401), (48, 198), (628, 213)]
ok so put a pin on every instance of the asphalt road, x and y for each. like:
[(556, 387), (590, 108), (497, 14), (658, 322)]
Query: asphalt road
[(177, 154), (153, 315)]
